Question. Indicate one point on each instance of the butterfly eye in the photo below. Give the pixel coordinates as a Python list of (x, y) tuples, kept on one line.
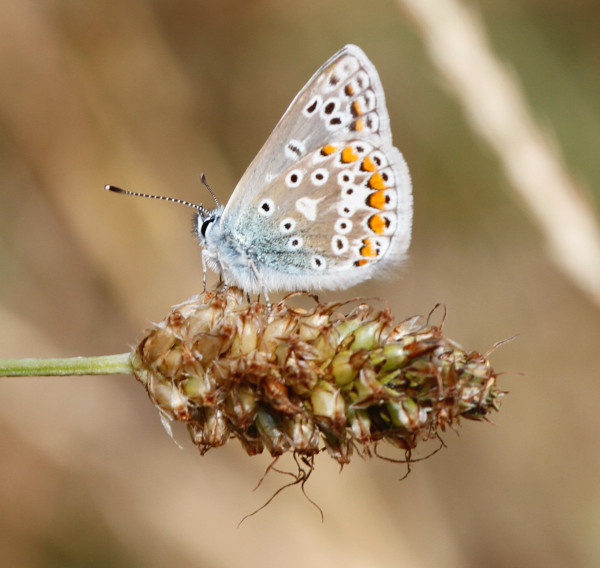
[(205, 226)]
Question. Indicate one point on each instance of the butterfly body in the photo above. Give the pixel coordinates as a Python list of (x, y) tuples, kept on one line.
[(327, 201)]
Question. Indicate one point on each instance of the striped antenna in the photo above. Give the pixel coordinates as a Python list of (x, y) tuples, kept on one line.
[(171, 199), (212, 193)]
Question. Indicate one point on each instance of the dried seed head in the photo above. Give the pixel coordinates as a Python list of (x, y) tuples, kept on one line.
[(300, 379)]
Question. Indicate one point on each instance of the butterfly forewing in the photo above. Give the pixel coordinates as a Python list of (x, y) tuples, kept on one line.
[(343, 99)]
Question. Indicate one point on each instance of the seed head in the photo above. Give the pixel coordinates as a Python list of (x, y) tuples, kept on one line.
[(292, 379)]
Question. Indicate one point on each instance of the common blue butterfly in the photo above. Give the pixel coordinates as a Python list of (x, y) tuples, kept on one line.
[(327, 201)]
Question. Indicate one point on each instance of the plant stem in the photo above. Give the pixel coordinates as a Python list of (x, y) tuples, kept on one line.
[(103, 365)]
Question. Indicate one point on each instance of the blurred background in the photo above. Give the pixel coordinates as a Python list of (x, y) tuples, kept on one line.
[(147, 95)]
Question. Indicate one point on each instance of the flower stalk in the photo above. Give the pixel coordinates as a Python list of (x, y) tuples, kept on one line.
[(65, 366)]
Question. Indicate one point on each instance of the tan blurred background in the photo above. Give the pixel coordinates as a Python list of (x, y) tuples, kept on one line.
[(148, 95)]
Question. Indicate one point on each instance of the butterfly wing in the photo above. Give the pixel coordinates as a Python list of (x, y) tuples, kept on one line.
[(327, 201)]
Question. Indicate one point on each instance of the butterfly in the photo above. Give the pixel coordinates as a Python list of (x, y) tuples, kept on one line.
[(327, 202)]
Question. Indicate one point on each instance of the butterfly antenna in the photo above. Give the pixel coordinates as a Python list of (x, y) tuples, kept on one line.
[(212, 193), (171, 199)]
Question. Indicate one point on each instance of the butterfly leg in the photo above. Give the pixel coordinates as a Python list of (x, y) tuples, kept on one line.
[(222, 286), (259, 279), (204, 270)]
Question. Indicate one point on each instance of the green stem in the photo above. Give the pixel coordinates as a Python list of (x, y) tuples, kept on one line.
[(103, 365)]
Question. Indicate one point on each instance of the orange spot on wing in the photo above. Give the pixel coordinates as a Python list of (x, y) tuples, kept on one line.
[(357, 124), (368, 249), (376, 181), (328, 150), (378, 224), (361, 262), (349, 90), (348, 155), (356, 110), (368, 165), (377, 199)]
